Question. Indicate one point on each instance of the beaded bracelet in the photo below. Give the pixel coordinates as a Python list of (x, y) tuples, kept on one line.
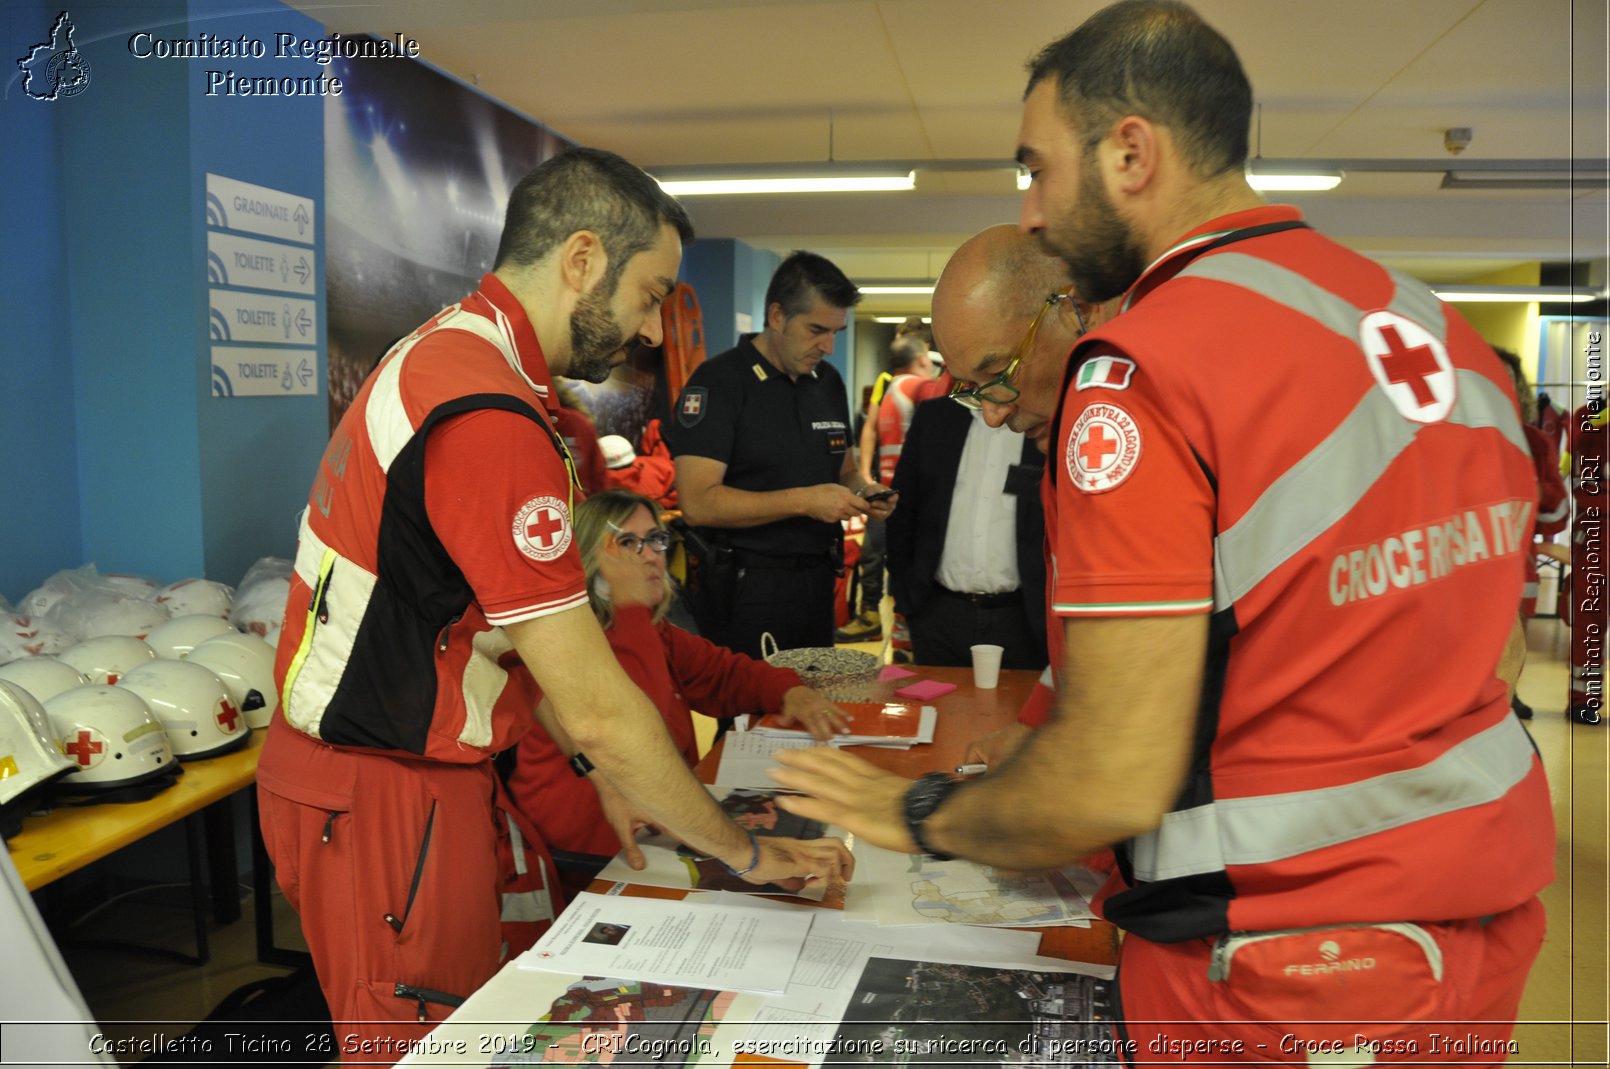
[(754, 858)]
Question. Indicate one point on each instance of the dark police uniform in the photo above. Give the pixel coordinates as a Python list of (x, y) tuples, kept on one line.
[(772, 433)]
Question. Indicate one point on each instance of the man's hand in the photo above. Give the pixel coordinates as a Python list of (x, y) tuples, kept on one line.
[(798, 863), (814, 713), (623, 820), (993, 749), (847, 791), (831, 502), (880, 500)]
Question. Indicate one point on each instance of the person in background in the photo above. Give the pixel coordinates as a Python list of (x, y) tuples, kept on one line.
[(1553, 503), (1288, 502), (574, 422), (436, 597), (623, 548), (651, 475), (765, 469), (909, 368)]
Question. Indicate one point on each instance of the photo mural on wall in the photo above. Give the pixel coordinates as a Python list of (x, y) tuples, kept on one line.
[(418, 169)]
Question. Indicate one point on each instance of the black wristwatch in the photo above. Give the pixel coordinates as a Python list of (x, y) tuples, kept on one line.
[(580, 765), (922, 798)]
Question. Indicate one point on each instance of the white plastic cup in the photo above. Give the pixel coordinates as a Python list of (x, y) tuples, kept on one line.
[(987, 666)]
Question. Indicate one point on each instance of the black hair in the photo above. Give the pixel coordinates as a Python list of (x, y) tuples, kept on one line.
[(804, 276), (1159, 60), (588, 189)]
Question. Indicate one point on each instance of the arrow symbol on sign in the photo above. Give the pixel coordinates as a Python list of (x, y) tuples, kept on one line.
[(303, 269), (303, 322), (301, 218), (303, 372)]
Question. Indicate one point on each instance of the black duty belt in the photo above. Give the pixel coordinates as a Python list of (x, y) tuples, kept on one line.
[(985, 601), (748, 558)]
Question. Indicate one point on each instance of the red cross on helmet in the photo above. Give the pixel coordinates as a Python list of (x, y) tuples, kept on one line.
[(114, 738), (193, 705)]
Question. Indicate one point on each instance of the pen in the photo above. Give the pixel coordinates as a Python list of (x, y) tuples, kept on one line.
[(972, 770)]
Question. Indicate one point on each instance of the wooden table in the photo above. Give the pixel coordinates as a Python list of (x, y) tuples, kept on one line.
[(70, 837), (965, 714)]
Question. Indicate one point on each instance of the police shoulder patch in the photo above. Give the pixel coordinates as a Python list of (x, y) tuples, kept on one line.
[(690, 410), (1103, 447)]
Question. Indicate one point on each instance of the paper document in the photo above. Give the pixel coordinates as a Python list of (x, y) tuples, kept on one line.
[(918, 889), (745, 757), (670, 864), (870, 723), (727, 947)]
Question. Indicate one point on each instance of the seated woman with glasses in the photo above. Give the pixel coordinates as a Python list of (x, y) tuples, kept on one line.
[(623, 551)]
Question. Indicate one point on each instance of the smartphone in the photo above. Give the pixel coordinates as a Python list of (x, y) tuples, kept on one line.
[(881, 495)]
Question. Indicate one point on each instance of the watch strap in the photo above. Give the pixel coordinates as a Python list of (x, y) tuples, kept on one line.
[(921, 799), (580, 765)]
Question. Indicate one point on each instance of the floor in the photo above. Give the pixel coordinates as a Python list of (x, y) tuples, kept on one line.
[(1563, 1014)]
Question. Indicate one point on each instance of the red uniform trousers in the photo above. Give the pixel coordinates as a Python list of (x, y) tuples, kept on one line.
[(1350, 995), (409, 869)]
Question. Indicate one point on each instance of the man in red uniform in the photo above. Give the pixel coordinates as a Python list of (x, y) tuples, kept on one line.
[(436, 589), (1287, 499)]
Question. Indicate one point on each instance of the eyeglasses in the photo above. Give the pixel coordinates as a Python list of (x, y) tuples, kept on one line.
[(1000, 390), (658, 541)]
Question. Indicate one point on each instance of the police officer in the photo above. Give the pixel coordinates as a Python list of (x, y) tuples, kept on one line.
[(765, 470)]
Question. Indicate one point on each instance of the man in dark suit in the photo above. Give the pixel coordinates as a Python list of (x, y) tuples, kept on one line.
[(967, 493)]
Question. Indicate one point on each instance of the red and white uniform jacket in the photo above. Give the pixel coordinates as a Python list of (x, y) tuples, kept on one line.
[(677, 671), (386, 645), (1327, 459), (894, 419)]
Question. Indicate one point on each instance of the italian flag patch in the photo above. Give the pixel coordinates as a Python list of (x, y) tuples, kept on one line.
[(1105, 373)]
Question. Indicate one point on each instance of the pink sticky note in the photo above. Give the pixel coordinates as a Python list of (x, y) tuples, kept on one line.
[(894, 671), (924, 690)]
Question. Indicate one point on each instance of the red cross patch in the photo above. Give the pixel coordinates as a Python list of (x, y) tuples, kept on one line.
[(1410, 364), (87, 747), (542, 528), (1103, 448), (228, 717)]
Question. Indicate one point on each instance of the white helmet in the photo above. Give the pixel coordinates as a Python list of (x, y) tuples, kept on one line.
[(114, 739), (246, 665), (189, 596), (107, 658), (24, 636), (176, 638), (28, 754), (618, 452), (43, 677), (193, 705)]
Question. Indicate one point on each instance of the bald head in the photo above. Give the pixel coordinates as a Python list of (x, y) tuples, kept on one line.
[(998, 273), (985, 306)]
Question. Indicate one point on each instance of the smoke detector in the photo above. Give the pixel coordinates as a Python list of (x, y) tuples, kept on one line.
[(1457, 138)]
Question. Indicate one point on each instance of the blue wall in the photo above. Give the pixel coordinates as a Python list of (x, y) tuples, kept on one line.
[(130, 463), (39, 472)]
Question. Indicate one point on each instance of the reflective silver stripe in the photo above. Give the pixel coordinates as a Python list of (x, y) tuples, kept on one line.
[(1286, 287), (1326, 484), (1259, 830), (1553, 514)]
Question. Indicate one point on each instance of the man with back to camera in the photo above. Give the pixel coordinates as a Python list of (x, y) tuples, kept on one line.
[(881, 443), (765, 467), (1287, 498), (436, 549)]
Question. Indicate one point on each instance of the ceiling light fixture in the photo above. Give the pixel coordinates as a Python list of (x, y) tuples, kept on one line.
[(919, 289), (1291, 176), (897, 319), (1517, 294)]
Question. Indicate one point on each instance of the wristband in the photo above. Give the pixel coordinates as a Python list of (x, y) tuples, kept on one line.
[(580, 765), (921, 799), (754, 858)]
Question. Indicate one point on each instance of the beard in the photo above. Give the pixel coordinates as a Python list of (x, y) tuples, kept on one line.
[(595, 338), (1100, 249)]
